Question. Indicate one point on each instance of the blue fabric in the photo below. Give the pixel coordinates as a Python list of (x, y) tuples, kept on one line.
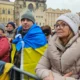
[(33, 38)]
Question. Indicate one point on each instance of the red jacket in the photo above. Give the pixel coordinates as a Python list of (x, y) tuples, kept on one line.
[(4, 49)]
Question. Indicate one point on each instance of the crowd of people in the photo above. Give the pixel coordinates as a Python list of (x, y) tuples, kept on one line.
[(35, 49)]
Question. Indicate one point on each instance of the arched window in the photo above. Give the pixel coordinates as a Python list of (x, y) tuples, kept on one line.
[(30, 7)]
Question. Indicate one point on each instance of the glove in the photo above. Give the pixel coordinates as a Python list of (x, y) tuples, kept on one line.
[(17, 39), (18, 36)]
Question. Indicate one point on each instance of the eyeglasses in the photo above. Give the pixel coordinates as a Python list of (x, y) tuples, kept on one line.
[(62, 25)]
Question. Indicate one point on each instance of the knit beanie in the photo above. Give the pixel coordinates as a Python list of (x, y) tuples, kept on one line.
[(2, 27), (72, 20), (12, 23), (28, 15)]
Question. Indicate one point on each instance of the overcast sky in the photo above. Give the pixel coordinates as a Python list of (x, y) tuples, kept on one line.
[(11, 0), (73, 5)]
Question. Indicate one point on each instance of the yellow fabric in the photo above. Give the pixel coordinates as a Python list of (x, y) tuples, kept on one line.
[(5, 75), (41, 50), (13, 53), (31, 58)]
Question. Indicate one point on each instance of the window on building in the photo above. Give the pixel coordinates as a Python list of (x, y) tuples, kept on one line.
[(3, 11), (31, 7), (8, 11)]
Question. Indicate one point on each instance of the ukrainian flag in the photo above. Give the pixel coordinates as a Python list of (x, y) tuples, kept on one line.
[(5, 74), (35, 44)]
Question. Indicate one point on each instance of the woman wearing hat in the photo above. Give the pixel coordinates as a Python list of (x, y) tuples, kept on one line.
[(61, 60), (4, 45), (10, 30)]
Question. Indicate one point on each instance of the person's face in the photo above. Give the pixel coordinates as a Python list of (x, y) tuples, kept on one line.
[(9, 27), (62, 29), (26, 23)]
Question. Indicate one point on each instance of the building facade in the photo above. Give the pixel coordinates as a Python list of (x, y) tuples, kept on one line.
[(39, 9), (6, 12), (35, 6), (52, 15)]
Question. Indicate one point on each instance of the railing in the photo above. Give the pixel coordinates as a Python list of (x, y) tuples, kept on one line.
[(26, 73)]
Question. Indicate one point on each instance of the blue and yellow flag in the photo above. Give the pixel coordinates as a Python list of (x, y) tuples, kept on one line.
[(35, 44), (5, 75)]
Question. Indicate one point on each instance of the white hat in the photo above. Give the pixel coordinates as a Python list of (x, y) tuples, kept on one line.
[(72, 20)]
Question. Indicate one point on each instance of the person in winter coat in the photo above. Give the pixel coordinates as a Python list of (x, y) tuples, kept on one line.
[(30, 44), (4, 45), (10, 30), (61, 60)]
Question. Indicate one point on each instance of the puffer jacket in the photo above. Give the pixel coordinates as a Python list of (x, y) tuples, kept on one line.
[(4, 49), (61, 60)]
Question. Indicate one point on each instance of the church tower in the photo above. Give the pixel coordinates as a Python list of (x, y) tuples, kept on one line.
[(33, 5)]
